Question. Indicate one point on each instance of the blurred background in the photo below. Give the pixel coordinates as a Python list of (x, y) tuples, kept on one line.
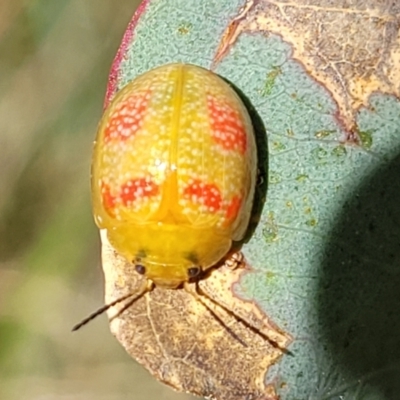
[(54, 62)]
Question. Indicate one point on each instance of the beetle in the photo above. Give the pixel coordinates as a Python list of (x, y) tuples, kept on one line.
[(174, 172), (173, 176)]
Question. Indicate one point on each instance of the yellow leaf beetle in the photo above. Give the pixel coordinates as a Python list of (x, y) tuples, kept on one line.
[(174, 172)]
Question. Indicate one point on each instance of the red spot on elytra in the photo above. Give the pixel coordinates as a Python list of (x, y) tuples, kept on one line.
[(226, 125), (207, 194), (233, 208), (127, 117), (108, 198), (136, 189)]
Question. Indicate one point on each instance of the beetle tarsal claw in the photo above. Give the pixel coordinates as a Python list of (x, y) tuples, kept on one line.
[(234, 260)]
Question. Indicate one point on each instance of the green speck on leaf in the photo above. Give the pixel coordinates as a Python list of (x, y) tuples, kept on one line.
[(289, 204), (270, 230), (339, 151), (185, 28), (319, 155), (323, 134), (366, 138), (311, 222), (270, 275), (278, 146), (270, 81), (274, 177), (307, 210), (301, 178)]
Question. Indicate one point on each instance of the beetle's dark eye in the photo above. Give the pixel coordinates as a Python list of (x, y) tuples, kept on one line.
[(193, 272), (140, 269)]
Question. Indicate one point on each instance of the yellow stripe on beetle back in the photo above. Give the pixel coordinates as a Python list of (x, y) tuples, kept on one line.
[(175, 156)]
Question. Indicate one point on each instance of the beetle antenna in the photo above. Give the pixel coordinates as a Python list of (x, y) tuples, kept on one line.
[(147, 287), (197, 294)]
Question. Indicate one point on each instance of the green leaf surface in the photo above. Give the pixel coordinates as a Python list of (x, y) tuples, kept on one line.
[(327, 249)]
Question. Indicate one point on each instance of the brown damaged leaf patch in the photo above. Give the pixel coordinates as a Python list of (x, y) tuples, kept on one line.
[(182, 344), (351, 47)]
